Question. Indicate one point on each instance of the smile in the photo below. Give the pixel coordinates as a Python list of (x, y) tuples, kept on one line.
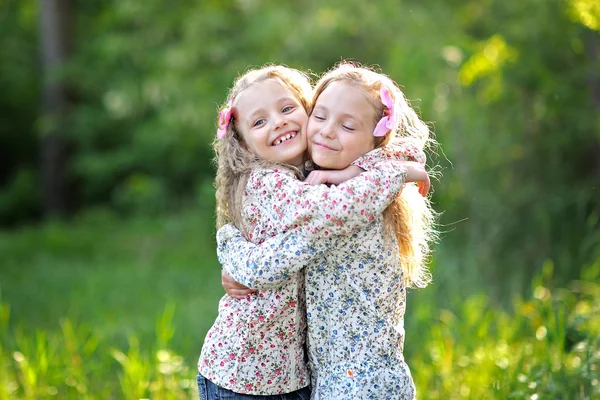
[(284, 138), (322, 146)]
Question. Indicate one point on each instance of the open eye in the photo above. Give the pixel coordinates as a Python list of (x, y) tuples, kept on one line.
[(258, 122), (287, 109)]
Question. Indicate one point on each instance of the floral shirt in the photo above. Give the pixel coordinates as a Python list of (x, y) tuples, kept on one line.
[(355, 299), (256, 345)]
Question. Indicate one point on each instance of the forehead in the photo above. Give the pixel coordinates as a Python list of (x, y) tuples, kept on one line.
[(263, 94), (341, 97)]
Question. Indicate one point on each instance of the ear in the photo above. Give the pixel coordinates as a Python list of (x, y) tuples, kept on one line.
[(235, 114)]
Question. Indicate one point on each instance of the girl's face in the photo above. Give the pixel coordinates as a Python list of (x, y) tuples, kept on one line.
[(340, 128), (273, 123)]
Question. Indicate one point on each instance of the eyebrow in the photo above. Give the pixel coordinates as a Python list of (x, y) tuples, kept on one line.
[(286, 99)]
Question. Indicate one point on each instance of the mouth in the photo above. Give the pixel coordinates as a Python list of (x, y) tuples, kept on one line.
[(284, 138), (322, 146)]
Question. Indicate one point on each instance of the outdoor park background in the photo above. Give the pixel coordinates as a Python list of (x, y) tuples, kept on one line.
[(108, 273)]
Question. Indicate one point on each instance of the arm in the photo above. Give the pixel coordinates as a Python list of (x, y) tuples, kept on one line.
[(233, 288), (286, 203), (402, 150), (334, 177), (266, 265)]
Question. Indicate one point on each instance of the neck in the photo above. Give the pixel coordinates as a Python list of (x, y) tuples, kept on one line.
[(298, 163)]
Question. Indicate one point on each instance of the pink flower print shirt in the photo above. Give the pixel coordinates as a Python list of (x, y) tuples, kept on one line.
[(355, 301), (256, 345)]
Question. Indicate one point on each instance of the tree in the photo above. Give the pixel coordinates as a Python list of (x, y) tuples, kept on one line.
[(55, 24)]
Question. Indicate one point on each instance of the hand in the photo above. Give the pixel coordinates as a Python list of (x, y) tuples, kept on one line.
[(234, 289), (417, 173), (334, 177)]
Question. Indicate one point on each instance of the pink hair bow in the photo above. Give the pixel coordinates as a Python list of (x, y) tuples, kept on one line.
[(224, 118), (389, 120)]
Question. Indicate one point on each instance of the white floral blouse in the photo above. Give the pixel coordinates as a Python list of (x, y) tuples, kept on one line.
[(355, 299), (257, 345)]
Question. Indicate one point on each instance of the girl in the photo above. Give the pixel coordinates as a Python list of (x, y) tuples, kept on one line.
[(356, 285), (256, 345)]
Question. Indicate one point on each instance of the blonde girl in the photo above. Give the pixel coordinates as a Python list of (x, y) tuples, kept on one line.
[(355, 285), (256, 345)]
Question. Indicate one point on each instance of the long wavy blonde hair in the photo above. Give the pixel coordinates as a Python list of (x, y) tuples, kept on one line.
[(410, 217), (234, 160)]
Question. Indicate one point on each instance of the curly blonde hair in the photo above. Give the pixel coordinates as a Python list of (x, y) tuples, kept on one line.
[(234, 160), (410, 217)]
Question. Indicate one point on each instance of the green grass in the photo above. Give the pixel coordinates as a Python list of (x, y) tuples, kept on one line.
[(544, 347), (102, 307), (86, 290)]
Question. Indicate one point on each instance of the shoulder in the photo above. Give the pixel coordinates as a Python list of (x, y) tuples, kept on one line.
[(407, 148), (267, 172), (270, 178)]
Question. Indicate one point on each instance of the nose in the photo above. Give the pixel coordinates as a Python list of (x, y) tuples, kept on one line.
[(280, 121), (327, 131)]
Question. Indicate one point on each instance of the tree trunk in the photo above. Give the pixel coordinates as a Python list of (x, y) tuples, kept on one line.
[(55, 22), (592, 47)]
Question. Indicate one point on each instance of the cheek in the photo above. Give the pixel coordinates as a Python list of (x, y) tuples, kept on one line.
[(305, 118), (368, 142), (250, 142), (311, 128), (360, 145)]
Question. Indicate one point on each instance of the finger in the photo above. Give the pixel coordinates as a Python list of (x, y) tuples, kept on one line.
[(315, 181), (425, 186), (226, 280), (229, 284), (239, 286)]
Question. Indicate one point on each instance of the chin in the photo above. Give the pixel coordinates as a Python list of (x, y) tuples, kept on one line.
[(325, 163)]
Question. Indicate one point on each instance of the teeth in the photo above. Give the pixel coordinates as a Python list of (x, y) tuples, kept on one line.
[(283, 139)]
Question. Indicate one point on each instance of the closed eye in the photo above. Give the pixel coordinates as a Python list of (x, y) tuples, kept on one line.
[(318, 117), (348, 128)]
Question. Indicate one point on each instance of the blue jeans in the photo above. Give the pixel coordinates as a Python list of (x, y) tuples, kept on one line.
[(209, 391)]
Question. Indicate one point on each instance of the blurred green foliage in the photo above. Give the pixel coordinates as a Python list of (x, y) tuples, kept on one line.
[(511, 88)]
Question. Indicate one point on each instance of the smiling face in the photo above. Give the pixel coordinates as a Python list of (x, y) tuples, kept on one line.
[(340, 128), (272, 122)]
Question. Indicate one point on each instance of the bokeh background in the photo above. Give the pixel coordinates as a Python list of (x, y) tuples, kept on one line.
[(108, 272)]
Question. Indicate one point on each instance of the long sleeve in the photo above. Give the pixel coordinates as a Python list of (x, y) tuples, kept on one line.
[(403, 150), (266, 265), (305, 213), (275, 201)]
